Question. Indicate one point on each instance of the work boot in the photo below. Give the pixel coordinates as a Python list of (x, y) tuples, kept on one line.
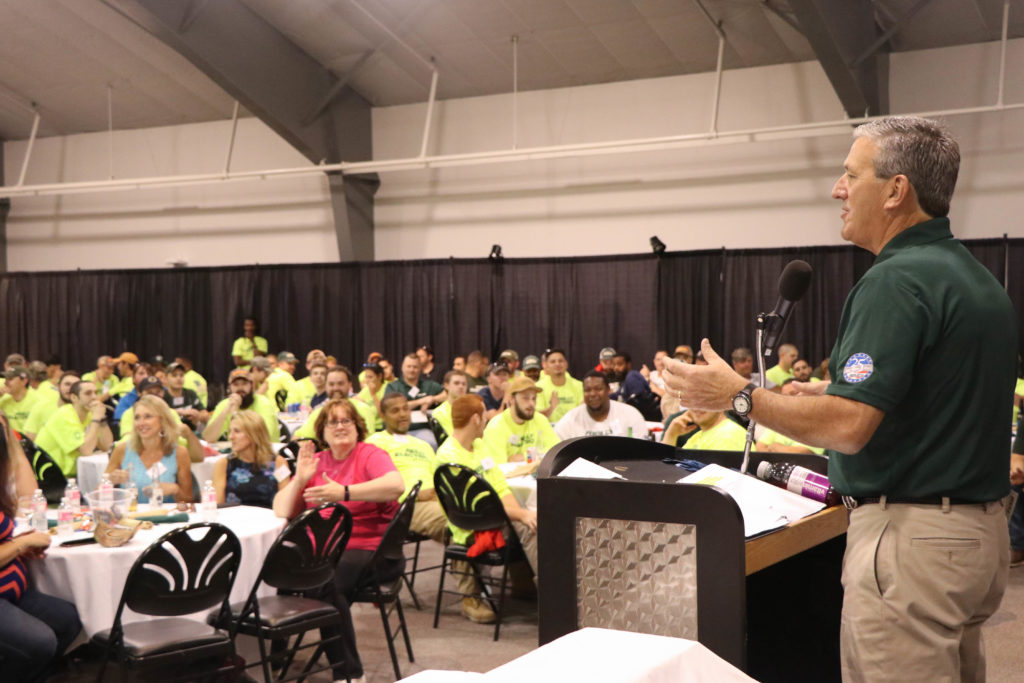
[(476, 611)]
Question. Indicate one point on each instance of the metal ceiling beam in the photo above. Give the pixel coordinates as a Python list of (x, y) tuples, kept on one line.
[(278, 82), (839, 33)]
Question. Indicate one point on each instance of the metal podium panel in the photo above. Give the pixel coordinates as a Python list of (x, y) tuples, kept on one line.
[(637, 576)]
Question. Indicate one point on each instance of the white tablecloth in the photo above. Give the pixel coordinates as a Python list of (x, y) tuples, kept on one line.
[(624, 657), (523, 488), (92, 467), (93, 576)]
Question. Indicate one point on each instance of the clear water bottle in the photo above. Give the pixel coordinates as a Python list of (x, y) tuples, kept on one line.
[(156, 496), (106, 490), (209, 502), (133, 496), (74, 496), (799, 480), (65, 518), (39, 511)]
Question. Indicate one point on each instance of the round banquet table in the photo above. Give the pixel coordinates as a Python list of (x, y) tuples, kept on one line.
[(92, 576)]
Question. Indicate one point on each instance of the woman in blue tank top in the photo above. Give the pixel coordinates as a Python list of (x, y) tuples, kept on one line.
[(151, 454)]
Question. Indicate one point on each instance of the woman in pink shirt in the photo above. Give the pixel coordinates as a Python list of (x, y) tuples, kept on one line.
[(362, 478)]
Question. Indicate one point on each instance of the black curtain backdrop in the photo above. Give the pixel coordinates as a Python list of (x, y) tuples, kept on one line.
[(633, 303)]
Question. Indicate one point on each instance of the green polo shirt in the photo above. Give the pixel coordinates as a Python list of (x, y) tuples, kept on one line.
[(506, 439), (570, 395), (482, 461), (413, 457), (930, 337), (17, 412), (61, 437)]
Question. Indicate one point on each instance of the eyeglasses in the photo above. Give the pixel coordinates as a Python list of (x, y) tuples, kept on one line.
[(343, 422)]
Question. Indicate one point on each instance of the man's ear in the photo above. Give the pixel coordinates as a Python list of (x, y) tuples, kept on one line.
[(899, 191)]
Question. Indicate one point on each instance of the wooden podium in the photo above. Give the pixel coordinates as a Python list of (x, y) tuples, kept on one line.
[(646, 554)]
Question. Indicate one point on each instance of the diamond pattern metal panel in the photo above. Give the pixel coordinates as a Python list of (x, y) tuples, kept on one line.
[(637, 576)]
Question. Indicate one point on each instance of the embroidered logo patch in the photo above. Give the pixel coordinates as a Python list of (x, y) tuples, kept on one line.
[(858, 368)]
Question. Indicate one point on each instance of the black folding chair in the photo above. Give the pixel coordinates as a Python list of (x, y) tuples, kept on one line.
[(187, 570), (302, 559), (48, 474), (437, 429), (415, 539), (471, 503), (384, 592)]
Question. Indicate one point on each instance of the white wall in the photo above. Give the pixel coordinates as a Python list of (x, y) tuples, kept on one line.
[(762, 194)]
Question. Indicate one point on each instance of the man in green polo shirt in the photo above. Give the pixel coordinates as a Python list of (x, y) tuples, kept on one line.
[(17, 398), (414, 459), (241, 398), (560, 392), (456, 384), (78, 428), (914, 419), (518, 433)]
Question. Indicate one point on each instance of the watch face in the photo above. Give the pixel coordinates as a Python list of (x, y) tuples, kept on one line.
[(741, 404)]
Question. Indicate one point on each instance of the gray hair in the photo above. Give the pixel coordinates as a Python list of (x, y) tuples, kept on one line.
[(922, 150)]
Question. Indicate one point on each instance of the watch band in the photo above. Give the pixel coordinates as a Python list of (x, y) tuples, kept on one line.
[(346, 492)]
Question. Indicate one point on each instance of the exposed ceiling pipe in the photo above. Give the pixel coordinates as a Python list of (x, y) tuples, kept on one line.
[(430, 112), (231, 140), (28, 150)]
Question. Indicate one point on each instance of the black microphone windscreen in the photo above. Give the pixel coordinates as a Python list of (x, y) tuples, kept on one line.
[(795, 280)]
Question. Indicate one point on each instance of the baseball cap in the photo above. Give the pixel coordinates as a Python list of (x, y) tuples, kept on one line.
[(286, 357), (498, 367), (127, 357), (522, 383), (149, 383), (261, 363), (531, 363), (175, 366), (17, 371), (239, 373), (509, 353), (607, 353)]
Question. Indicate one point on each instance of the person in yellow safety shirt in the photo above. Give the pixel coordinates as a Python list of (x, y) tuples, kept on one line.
[(17, 398), (77, 428), (560, 392), (241, 398), (716, 431), (456, 384), (249, 345), (518, 433), (339, 385)]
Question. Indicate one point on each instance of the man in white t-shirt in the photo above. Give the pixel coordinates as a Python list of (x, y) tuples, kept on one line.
[(599, 415)]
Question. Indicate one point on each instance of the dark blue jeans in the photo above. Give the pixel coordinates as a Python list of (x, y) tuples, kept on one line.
[(34, 633)]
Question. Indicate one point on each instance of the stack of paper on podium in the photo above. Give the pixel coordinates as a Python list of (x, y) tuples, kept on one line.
[(764, 506)]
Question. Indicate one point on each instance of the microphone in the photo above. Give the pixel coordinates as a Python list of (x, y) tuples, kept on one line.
[(793, 284)]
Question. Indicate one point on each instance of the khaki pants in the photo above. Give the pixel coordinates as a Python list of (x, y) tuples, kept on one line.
[(528, 539), (919, 582), (428, 519)]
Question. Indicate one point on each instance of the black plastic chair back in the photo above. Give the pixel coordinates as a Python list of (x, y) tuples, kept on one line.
[(439, 433), (281, 399), (392, 543), (468, 500), (186, 570), (304, 556), (48, 475)]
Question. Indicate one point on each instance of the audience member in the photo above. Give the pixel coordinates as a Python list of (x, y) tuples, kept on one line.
[(304, 389), (772, 442), (318, 379), (455, 385), (519, 434), (511, 360), (249, 345), (35, 628), (361, 477), (633, 388), (37, 378), (459, 363), (604, 360), (684, 353), (599, 415), (152, 454), (17, 398), (241, 397), (261, 369), (427, 367), (653, 377), (193, 380), (103, 377), (183, 400), (252, 475), (778, 374), (123, 366), (53, 373), (77, 428), (281, 381), (339, 385), (373, 390), (494, 393), (45, 407), (476, 368), (139, 373), (414, 459), (803, 372), (423, 393), (466, 447), (715, 432), (743, 363), (531, 368), (560, 392)]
